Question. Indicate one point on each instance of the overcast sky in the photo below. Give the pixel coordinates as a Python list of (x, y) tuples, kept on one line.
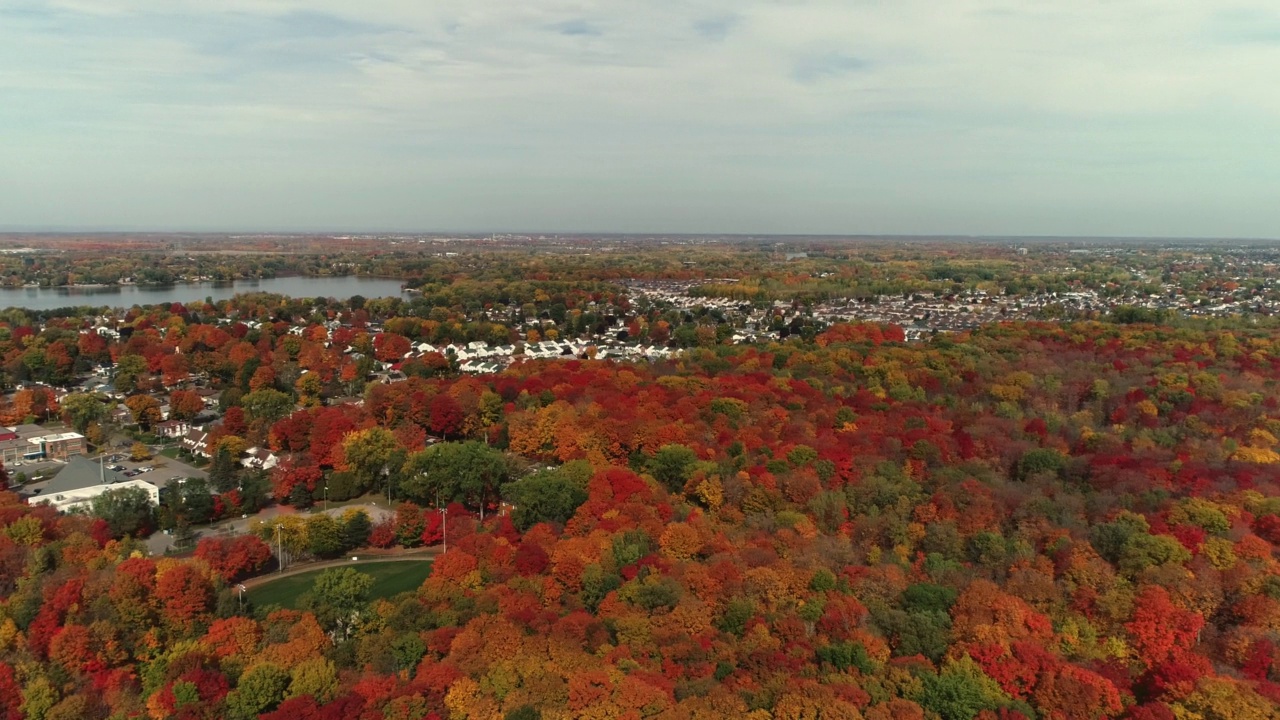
[(1080, 117)]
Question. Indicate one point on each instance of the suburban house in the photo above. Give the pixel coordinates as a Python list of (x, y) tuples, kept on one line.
[(32, 442), (195, 443), (173, 428), (82, 480), (259, 458)]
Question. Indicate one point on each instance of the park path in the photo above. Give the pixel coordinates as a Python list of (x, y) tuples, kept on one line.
[(298, 569)]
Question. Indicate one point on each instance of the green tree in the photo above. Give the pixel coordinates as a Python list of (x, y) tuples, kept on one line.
[(1040, 460), (191, 501), (671, 466), (254, 486), (223, 470), (126, 510), (324, 536), (80, 409), (369, 454), (316, 677), (356, 527), (129, 368), (267, 405), (339, 599), (260, 689), (407, 650), (961, 691), (469, 472), (544, 497)]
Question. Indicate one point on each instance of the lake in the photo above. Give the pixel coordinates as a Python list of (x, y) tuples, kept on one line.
[(130, 295)]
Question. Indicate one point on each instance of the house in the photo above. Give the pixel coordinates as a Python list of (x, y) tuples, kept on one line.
[(195, 442), (82, 480), (259, 458), (173, 428)]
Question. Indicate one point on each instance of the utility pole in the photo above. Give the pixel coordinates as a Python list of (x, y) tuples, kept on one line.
[(444, 522), (240, 587), (280, 547)]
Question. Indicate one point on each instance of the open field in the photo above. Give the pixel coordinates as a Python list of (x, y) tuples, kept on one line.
[(389, 578)]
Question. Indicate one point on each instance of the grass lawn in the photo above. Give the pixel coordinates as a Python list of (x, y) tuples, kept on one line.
[(170, 452), (389, 578)]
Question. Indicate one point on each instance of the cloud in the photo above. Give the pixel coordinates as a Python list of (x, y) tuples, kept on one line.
[(717, 27), (696, 114), (1245, 26), (577, 27), (827, 65)]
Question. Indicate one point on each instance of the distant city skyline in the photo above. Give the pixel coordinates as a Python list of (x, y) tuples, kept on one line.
[(951, 117)]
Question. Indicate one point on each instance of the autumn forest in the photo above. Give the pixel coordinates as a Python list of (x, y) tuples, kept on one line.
[(1066, 516)]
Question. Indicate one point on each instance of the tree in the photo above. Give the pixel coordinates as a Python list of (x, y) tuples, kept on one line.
[(324, 536), (223, 470), (368, 453), (315, 678), (446, 415), (672, 466), (339, 599), (544, 497), (80, 409), (266, 405), (145, 410), (185, 596), (356, 527), (127, 511), (260, 689), (410, 524), (234, 558), (185, 404), (129, 369), (191, 501), (469, 472), (139, 452), (961, 691)]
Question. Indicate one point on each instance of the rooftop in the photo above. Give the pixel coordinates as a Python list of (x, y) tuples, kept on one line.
[(79, 473)]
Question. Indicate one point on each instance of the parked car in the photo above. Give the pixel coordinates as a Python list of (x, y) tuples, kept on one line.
[(117, 468), (132, 473)]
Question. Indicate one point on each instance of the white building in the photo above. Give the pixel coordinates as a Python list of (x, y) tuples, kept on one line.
[(82, 480)]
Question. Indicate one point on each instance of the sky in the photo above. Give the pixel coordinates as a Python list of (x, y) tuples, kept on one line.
[(1027, 117)]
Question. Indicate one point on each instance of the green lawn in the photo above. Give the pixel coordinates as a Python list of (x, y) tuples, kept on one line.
[(389, 578)]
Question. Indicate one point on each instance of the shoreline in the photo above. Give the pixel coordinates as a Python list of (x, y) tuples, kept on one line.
[(222, 283)]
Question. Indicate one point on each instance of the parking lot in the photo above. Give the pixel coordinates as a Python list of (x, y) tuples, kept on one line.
[(162, 470), (34, 470)]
